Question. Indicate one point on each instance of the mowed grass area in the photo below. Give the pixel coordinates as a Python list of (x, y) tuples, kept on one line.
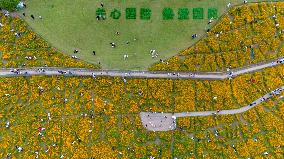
[(70, 25)]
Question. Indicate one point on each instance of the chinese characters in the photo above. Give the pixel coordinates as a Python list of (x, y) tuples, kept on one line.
[(167, 13)]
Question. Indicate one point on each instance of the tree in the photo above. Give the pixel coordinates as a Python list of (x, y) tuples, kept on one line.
[(9, 5)]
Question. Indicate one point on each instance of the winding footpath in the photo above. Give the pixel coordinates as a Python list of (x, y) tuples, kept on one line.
[(167, 121), (156, 121), (50, 71)]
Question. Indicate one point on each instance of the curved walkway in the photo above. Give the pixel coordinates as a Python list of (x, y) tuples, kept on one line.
[(155, 121), (50, 71), (167, 121)]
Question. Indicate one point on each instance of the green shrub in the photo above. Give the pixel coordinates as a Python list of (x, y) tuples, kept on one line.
[(9, 5)]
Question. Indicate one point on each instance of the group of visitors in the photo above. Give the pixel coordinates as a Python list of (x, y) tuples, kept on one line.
[(32, 16), (154, 54), (113, 45)]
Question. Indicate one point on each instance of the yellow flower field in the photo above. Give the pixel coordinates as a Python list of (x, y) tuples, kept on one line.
[(84, 117)]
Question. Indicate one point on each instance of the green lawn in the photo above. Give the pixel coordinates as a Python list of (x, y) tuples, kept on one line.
[(72, 24)]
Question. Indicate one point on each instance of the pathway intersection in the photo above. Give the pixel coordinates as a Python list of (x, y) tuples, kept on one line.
[(167, 121)]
